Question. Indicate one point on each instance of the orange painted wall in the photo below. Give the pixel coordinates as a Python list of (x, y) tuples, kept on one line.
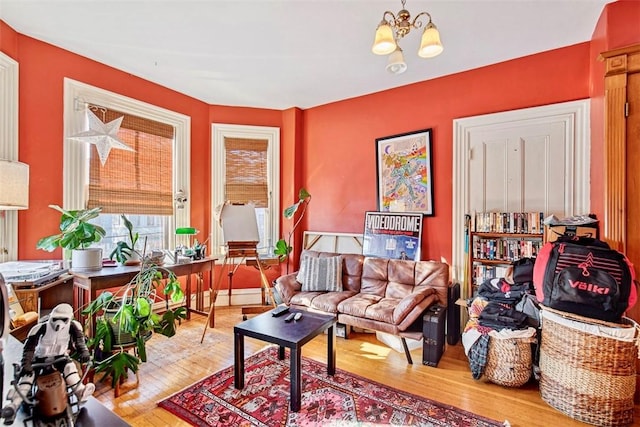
[(8, 40), (42, 70), (328, 149), (339, 144)]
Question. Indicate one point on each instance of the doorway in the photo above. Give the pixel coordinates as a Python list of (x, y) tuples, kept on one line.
[(529, 160)]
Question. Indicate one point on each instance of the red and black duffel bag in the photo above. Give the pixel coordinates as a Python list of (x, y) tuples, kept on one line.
[(584, 276)]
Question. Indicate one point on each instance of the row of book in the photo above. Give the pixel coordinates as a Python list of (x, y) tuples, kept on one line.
[(505, 249), (482, 273), (507, 222)]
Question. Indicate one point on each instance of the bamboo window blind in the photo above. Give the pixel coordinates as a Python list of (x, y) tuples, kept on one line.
[(134, 182), (246, 171)]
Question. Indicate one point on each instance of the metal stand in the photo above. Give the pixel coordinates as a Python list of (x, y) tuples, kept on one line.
[(242, 250)]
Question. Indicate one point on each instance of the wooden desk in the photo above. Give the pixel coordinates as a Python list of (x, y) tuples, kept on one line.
[(87, 284), (41, 299)]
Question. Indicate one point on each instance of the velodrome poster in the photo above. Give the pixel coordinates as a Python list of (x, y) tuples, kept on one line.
[(392, 235)]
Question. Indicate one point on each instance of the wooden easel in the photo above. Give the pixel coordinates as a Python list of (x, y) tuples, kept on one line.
[(242, 250)]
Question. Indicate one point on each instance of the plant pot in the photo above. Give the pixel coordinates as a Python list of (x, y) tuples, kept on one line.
[(121, 338), (133, 259), (89, 259)]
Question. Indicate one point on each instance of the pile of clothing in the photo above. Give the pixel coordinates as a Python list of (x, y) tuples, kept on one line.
[(506, 306)]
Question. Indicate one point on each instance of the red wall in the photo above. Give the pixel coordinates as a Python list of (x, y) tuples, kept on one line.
[(42, 70), (339, 144), (329, 149)]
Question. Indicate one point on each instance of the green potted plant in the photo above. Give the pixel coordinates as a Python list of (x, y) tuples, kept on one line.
[(125, 252), (283, 247), (77, 234), (127, 319)]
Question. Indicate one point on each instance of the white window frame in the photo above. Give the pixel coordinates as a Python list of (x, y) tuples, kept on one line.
[(219, 132), (8, 149), (76, 97)]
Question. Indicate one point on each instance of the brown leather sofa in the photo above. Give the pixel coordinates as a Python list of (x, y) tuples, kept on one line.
[(380, 294)]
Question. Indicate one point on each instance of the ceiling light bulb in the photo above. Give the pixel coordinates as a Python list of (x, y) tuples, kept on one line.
[(396, 64), (384, 42), (430, 44)]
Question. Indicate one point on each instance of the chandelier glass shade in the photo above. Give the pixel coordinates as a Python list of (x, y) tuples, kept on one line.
[(396, 64), (430, 44), (394, 27)]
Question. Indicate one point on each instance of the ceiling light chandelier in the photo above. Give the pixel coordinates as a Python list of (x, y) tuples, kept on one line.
[(392, 28)]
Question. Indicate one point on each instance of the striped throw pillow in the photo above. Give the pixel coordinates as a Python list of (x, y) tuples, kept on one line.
[(320, 274)]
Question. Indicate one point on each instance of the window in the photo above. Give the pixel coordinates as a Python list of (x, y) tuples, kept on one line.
[(127, 182), (246, 168)]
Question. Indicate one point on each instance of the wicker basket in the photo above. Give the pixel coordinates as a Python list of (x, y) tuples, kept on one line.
[(586, 370), (509, 361)]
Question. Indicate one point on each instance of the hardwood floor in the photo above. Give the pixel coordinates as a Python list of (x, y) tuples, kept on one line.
[(180, 361)]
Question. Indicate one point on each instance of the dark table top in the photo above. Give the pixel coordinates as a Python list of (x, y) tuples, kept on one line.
[(92, 414), (277, 331)]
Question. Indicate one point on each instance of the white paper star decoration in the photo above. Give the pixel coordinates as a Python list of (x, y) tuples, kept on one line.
[(103, 135)]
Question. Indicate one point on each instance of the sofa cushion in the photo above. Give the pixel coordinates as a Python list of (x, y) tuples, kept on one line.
[(320, 274), (351, 267)]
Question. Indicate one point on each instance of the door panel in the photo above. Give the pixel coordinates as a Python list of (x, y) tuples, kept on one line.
[(519, 169)]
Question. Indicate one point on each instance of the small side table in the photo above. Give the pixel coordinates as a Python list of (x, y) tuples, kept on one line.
[(291, 335)]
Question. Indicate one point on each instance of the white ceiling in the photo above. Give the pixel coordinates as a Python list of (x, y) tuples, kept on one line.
[(292, 53)]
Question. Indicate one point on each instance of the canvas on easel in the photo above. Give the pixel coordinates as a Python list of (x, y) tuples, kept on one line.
[(241, 237), (239, 225)]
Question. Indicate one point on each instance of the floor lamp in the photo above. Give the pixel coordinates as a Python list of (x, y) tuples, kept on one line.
[(14, 195)]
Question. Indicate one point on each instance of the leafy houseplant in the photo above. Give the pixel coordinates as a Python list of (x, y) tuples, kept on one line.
[(126, 319), (125, 251), (77, 234), (283, 247)]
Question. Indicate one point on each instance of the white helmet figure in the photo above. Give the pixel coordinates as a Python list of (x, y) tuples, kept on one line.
[(60, 317)]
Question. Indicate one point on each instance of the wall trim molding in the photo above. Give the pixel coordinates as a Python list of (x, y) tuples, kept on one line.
[(9, 148), (220, 131)]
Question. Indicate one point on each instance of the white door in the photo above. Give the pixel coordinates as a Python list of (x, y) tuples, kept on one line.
[(536, 159), (518, 169)]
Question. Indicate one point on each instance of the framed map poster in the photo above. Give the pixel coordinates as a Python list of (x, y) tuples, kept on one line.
[(404, 173), (392, 235)]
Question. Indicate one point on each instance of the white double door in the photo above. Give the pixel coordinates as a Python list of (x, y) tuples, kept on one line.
[(532, 160)]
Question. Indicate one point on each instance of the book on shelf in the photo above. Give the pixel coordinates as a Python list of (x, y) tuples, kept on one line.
[(506, 249), (482, 273), (507, 222)]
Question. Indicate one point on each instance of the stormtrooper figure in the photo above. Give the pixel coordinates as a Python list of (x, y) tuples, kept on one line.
[(54, 336)]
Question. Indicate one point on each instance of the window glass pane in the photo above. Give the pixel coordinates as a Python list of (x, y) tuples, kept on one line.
[(150, 227), (266, 242)]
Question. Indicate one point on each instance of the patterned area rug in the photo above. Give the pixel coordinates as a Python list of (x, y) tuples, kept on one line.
[(342, 400)]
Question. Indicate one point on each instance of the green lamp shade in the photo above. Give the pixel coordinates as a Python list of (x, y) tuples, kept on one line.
[(186, 230)]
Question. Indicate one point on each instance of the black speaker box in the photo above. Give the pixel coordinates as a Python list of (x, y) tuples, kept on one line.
[(433, 325), (453, 315)]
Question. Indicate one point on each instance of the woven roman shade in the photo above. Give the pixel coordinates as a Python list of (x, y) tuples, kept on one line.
[(134, 182), (246, 171)]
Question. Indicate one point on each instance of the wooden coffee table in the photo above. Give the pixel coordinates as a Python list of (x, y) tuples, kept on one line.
[(291, 335)]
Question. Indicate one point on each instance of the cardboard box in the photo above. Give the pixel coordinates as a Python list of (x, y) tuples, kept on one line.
[(553, 232)]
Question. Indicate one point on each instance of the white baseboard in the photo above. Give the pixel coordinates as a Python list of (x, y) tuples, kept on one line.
[(251, 296)]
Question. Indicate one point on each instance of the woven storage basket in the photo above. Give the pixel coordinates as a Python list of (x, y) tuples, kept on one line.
[(588, 376), (509, 361)]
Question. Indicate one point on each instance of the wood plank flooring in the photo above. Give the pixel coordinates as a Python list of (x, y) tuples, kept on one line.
[(175, 363)]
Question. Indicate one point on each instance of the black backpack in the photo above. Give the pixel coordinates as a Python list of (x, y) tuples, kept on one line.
[(584, 276)]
